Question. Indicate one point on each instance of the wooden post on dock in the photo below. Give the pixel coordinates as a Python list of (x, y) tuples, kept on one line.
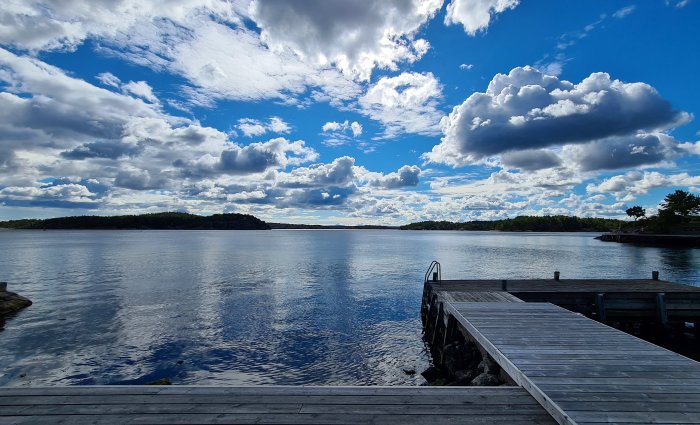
[(600, 303), (3, 286), (504, 285), (661, 308), (556, 275), (655, 275)]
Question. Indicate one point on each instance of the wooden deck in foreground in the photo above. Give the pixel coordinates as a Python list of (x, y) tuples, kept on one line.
[(270, 405), (580, 370)]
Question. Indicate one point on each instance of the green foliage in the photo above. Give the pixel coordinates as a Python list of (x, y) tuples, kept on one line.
[(167, 220), (636, 212), (681, 203)]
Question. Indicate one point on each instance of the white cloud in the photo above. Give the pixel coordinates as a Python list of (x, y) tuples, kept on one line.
[(628, 186), (407, 103), (42, 25), (354, 35), (205, 42), (277, 125), (253, 127), (336, 132), (476, 15), (621, 13), (140, 89), (466, 66), (108, 79), (527, 110), (356, 129)]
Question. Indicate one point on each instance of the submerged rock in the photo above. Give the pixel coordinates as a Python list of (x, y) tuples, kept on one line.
[(11, 302)]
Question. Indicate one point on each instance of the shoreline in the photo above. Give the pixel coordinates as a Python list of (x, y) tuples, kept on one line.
[(684, 241)]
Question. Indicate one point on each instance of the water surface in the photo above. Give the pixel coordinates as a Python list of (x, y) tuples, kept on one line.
[(314, 307)]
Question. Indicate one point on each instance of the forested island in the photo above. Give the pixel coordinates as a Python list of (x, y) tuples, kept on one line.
[(156, 221), (555, 223)]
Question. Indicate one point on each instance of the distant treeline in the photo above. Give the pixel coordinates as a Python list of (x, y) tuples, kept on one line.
[(323, 226), (555, 223), (168, 220)]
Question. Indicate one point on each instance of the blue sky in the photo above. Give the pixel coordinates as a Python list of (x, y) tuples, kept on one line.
[(347, 111)]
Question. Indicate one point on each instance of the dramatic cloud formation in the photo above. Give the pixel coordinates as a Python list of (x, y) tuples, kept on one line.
[(475, 15), (354, 35), (339, 110), (615, 123)]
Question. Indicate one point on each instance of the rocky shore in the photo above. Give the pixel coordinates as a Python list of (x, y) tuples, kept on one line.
[(462, 363), (11, 302), (652, 239)]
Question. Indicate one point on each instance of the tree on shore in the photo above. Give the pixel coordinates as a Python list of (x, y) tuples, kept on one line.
[(681, 203), (636, 212)]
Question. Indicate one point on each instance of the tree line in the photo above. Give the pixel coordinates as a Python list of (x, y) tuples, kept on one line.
[(525, 223), (167, 220)]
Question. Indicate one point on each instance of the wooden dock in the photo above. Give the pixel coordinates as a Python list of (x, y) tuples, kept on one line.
[(270, 405), (580, 370)]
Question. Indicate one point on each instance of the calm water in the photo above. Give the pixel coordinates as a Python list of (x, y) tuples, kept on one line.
[(262, 307)]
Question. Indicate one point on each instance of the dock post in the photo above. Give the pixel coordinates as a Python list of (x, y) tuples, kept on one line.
[(3, 286), (435, 276), (556, 275), (504, 285), (655, 275), (600, 303), (661, 308)]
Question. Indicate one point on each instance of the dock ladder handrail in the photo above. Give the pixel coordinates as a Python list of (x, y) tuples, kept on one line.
[(437, 275)]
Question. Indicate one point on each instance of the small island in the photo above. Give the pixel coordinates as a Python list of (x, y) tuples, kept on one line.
[(676, 224), (156, 221)]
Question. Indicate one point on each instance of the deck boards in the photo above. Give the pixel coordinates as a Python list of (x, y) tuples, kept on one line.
[(580, 370), (270, 405)]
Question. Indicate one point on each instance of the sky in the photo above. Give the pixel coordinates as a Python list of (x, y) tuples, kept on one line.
[(347, 111)]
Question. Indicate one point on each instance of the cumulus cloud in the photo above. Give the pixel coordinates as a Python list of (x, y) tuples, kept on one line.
[(527, 110), (62, 196), (407, 103), (626, 187), (406, 176), (466, 66), (253, 127), (354, 35), (476, 15), (140, 89), (336, 133)]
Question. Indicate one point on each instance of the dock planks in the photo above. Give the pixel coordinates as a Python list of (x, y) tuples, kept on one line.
[(580, 370), (270, 405)]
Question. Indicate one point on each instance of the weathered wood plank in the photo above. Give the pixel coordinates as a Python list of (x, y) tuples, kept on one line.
[(273, 405), (571, 364), (278, 419)]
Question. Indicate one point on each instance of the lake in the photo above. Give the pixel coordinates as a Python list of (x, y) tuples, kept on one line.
[(287, 307)]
